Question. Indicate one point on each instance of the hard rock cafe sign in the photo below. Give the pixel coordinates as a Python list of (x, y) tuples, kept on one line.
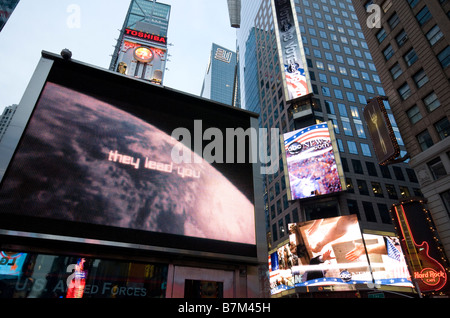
[(420, 246)]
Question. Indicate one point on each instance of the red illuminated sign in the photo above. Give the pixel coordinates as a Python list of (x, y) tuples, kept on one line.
[(146, 36), (428, 272)]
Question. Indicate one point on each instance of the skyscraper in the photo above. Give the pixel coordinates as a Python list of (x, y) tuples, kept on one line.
[(410, 45), (5, 119), (221, 82), (6, 9), (141, 49), (343, 77)]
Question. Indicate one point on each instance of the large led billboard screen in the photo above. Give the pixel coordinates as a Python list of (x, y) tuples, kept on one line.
[(332, 255), (96, 160), (312, 162)]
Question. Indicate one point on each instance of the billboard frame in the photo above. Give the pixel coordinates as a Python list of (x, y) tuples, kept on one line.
[(14, 231), (299, 50), (337, 158)]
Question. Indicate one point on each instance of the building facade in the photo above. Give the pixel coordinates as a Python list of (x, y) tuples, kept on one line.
[(141, 49), (221, 82), (343, 78), (410, 45)]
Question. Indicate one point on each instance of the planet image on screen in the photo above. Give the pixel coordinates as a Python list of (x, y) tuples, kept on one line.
[(88, 161)]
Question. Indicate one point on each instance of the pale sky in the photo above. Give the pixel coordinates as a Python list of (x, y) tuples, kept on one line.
[(38, 25)]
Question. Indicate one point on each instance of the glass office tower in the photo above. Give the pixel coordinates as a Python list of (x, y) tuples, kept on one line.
[(221, 82), (343, 78)]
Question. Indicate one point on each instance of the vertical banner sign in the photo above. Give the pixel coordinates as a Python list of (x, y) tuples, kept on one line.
[(381, 132), (290, 49), (426, 260)]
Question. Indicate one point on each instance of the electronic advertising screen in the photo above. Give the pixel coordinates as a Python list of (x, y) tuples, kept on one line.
[(312, 162), (331, 255), (11, 264), (296, 79), (99, 159)]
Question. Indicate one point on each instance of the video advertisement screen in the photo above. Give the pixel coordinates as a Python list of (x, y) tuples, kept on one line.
[(312, 162), (98, 150), (331, 255)]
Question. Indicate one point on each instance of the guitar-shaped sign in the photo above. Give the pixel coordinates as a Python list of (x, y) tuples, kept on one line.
[(428, 273)]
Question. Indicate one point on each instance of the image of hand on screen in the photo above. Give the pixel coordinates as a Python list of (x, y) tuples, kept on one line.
[(338, 230)]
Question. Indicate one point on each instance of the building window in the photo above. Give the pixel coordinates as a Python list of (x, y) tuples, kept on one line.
[(411, 175), (360, 131), (401, 38), (434, 35), (365, 150), (352, 147), (362, 187), (420, 78), (424, 140), (274, 232), (444, 57), (347, 131), (414, 114), (443, 128), (388, 52), (437, 168), (349, 183), (404, 192), (386, 5), (445, 196), (404, 91), (412, 3), (431, 102), (381, 35), (371, 169), (385, 172), (393, 21), (377, 190), (396, 71), (398, 173), (410, 57), (357, 167), (353, 208), (281, 228), (392, 193), (384, 213), (369, 211), (423, 16)]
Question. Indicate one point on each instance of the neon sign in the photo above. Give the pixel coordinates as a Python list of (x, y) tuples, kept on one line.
[(430, 276), (428, 272), (146, 36)]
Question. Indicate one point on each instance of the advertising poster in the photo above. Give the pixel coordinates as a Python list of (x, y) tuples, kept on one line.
[(331, 255), (312, 164), (290, 45), (85, 160)]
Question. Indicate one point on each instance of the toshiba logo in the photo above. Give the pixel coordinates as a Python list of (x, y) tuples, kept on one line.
[(146, 36)]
